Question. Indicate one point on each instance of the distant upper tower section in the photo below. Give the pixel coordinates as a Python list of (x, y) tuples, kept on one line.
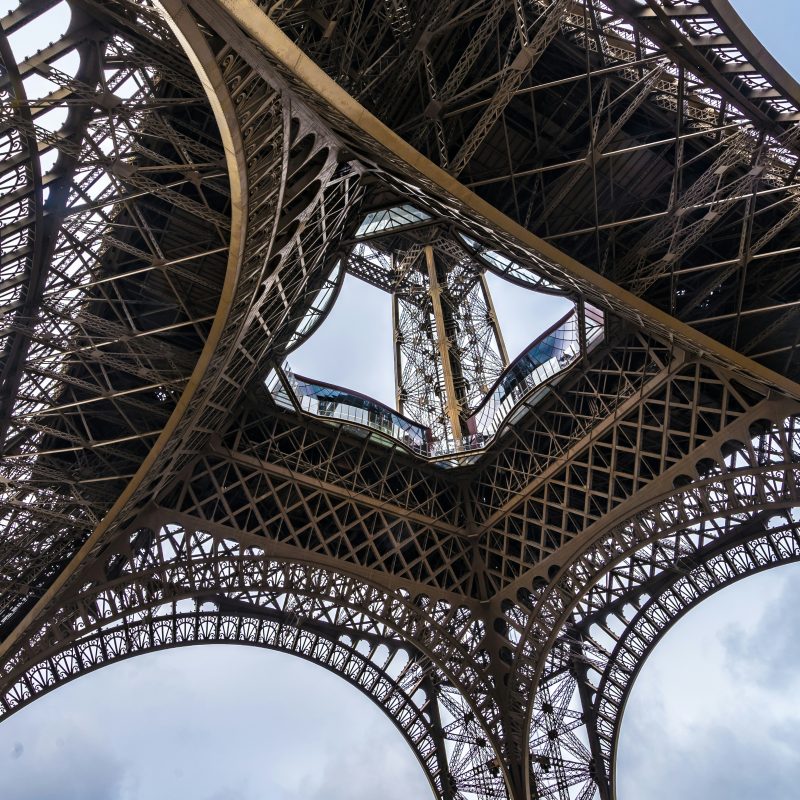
[(454, 382)]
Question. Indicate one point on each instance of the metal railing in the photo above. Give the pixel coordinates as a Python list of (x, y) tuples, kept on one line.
[(547, 357)]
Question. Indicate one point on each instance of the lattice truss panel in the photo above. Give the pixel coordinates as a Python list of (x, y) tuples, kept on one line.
[(643, 138), (170, 249), (635, 443), (333, 495), (421, 392), (115, 222)]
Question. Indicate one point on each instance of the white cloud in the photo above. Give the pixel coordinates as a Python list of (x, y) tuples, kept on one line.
[(698, 725), (209, 722)]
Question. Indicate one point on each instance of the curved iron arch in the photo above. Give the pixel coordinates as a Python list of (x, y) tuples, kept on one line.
[(57, 447), (149, 578), (720, 568), (415, 721), (602, 656), (751, 480)]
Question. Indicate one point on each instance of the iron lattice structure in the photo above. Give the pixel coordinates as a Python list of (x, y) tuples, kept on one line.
[(184, 185)]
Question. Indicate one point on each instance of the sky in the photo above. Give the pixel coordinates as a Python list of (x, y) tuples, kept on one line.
[(369, 363), (714, 714)]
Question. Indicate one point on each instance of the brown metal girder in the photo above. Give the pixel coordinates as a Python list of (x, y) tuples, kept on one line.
[(443, 342), (197, 50), (277, 46), (156, 516), (654, 492), (24, 12), (687, 51), (595, 433), (337, 490)]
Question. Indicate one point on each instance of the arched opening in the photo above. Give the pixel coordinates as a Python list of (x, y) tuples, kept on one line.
[(207, 722), (415, 348), (714, 711)]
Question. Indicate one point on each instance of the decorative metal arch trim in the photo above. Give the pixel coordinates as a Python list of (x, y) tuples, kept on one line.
[(754, 478), (112, 644), (146, 574), (721, 568)]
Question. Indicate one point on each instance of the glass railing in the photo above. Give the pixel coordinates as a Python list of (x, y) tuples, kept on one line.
[(334, 402), (549, 354), (501, 264), (546, 357), (389, 218)]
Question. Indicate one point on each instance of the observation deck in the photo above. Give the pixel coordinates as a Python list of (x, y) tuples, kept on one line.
[(522, 384)]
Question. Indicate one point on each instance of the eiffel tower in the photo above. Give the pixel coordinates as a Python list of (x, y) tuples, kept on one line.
[(185, 184)]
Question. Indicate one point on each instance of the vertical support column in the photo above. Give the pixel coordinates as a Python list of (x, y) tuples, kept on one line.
[(398, 364), (582, 326), (447, 357), (597, 767), (432, 708), (493, 322)]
